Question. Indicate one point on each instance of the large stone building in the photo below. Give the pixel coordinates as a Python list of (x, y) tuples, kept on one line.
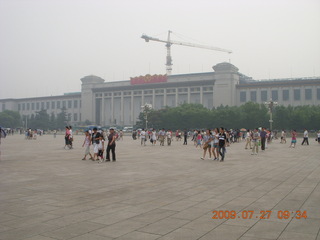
[(120, 103)]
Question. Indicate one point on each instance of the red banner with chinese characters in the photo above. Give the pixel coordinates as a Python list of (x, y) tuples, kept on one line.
[(148, 79)]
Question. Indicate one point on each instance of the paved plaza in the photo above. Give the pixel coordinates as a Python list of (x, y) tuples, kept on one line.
[(156, 192)]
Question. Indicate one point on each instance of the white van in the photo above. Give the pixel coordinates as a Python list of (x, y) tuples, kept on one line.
[(127, 129)]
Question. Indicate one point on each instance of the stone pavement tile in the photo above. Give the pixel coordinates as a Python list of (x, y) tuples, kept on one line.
[(204, 223), (312, 201), (202, 196), (70, 202), (138, 236), (107, 209), (63, 211), (4, 228), (114, 217), (72, 218), (120, 228), (266, 229), (210, 204), (260, 206), (296, 236), (242, 222), (179, 205), (254, 193), (309, 226), (191, 213), (154, 215), (33, 219), (252, 238), (299, 193), (39, 237), (268, 186), (291, 205), (183, 234), (164, 226), (91, 236), (32, 210), (225, 232), (28, 231), (73, 230)]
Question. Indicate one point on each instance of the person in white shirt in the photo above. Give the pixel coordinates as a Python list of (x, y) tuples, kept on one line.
[(283, 136), (305, 137), (143, 137), (169, 136), (318, 136), (154, 137)]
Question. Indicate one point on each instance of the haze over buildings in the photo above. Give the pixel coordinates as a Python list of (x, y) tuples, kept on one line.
[(47, 46)]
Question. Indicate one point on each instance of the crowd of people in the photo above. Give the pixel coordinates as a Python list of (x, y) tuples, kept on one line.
[(214, 142)]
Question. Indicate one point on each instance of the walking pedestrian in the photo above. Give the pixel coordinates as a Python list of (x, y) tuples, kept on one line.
[(143, 137), (207, 138), (185, 135), (305, 137), (248, 138), (222, 143), (215, 147), (111, 146), (87, 144), (255, 141)]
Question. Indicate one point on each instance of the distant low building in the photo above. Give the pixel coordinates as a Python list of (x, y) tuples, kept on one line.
[(119, 103)]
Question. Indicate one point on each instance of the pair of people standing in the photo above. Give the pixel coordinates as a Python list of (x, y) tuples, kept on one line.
[(215, 143)]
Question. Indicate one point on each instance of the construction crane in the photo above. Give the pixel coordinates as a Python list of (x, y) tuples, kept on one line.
[(169, 42)]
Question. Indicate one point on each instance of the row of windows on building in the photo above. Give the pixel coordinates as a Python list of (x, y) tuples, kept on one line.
[(275, 95), (157, 91), (49, 105)]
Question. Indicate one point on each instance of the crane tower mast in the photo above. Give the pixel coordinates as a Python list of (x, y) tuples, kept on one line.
[(169, 42)]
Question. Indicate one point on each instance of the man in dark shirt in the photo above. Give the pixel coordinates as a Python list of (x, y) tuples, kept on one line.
[(222, 143), (263, 135), (111, 145), (185, 134)]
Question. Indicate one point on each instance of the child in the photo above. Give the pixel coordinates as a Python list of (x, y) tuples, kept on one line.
[(293, 139), (199, 139), (101, 149), (87, 143)]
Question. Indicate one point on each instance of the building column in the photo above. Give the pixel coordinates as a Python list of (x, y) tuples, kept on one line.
[(165, 97), (189, 95), (102, 111), (112, 109), (132, 112), (122, 109), (142, 98), (201, 95), (176, 97), (153, 99)]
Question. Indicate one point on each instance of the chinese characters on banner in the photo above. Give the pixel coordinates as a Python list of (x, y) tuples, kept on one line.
[(148, 79)]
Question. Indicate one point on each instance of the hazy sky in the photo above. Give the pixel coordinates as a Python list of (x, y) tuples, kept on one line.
[(46, 46)]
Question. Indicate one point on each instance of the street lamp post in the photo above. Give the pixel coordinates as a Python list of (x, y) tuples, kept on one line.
[(270, 106), (145, 109)]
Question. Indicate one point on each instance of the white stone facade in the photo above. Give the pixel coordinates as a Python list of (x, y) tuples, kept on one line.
[(119, 103)]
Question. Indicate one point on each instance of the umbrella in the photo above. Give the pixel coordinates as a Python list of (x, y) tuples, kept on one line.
[(243, 130)]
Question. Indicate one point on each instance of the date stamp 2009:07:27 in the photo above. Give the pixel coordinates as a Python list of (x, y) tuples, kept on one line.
[(264, 214)]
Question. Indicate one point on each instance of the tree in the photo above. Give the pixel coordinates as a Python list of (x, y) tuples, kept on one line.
[(62, 121), (10, 119), (40, 121)]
